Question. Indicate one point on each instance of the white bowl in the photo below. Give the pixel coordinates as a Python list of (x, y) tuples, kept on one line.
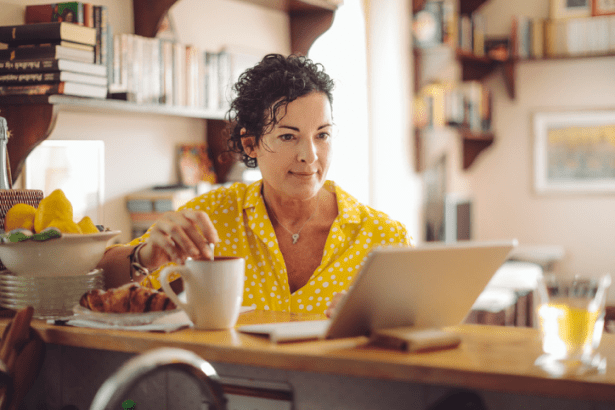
[(71, 254)]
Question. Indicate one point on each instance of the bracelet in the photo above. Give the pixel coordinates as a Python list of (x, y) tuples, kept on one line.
[(135, 262)]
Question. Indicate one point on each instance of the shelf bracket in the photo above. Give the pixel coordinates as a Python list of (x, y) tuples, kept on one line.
[(306, 27), (29, 125), (472, 148), (148, 15), (508, 70)]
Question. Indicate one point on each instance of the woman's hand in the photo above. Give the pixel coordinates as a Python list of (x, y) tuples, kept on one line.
[(177, 236), (335, 300)]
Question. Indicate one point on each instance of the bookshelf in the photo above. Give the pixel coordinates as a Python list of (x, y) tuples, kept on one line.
[(472, 68), (32, 120)]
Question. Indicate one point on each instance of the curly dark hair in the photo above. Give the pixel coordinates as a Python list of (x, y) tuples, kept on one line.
[(262, 92)]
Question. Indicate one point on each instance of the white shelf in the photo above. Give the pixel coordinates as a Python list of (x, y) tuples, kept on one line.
[(67, 103)]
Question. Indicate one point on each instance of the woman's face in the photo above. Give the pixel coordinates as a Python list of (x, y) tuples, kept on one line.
[(294, 157)]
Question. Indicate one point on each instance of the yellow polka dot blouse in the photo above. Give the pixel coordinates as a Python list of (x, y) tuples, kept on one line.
[(238, 212)]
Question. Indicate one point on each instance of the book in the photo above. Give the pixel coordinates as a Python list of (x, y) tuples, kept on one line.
[(70, 11), (50, 77), (63, 87), (100, 14), (60, 52), (88, 14), (50, 64), (35, 33), (64, 43), (478, 34), (159, 199), (538, 38)]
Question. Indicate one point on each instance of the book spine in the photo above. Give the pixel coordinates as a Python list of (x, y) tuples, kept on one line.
[(538, 37), (190, 76), (201, 89), (212, 81), (21, 53), (138, 74), (32, 89), (104, 29), (29, 78), (33, 65), (97, 24), (88, 15), (179, 72), (478, 35), (224, 78), (156, 70), (126, 53), (27, 32), (168, 75), (449, 23), (116, 80), (110, 54), (72, 11)]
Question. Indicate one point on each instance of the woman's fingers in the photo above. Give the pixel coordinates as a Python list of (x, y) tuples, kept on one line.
[(335, 300), (184, 234)]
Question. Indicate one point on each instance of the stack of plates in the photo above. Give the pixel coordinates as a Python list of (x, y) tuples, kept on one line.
[(52, 297)]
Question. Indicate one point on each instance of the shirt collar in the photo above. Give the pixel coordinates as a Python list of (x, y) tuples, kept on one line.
[(347, 205)]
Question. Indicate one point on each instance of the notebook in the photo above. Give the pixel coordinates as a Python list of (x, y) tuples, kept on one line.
[(429, 286)]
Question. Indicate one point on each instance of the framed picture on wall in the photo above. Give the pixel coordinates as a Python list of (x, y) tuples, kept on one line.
[(603, 7), (574, 151), (562, 9)]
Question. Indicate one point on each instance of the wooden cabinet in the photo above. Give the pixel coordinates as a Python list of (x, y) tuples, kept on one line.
[(32, 121)]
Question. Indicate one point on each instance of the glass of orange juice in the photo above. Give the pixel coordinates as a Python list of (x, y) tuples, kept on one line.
[(570, 314)]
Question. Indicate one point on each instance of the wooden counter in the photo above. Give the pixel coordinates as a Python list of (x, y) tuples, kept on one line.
[(489, 358)]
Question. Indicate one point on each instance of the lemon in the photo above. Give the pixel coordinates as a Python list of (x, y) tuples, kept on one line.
[(65, 226), (53, 207), (19, 216), (87, 226)]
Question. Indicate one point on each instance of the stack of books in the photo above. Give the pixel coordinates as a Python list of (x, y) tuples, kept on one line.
[(147, 206), (50, 58)]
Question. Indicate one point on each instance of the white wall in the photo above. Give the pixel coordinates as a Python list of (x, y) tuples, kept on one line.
[(394, 186), (502, 179)]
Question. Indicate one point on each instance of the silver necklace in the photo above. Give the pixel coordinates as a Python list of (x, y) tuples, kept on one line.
[(295, 236)]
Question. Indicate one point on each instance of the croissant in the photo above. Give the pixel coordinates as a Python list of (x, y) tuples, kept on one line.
[(128, 298)]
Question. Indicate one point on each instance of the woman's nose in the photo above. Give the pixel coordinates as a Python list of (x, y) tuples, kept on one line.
[(307, 152)]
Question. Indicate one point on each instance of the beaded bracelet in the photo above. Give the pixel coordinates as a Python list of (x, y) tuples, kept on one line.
[(135, 262)]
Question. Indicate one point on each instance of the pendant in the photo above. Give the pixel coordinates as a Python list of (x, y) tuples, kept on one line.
[(295, 238)]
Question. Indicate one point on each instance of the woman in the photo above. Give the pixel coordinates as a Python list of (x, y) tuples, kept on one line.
[(303, 238)]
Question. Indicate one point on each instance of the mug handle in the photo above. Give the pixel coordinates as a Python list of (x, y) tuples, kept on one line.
[(164, 282)]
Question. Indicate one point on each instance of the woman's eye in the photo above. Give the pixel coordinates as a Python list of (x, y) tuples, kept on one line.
[(286, 137), (323, 135)]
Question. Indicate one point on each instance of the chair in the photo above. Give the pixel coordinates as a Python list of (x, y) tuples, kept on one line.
[(114, 389)]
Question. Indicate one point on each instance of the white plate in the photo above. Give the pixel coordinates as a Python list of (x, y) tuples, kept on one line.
[(120, 319)]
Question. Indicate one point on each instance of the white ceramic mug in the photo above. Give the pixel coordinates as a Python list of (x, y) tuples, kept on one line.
[(214, 291)]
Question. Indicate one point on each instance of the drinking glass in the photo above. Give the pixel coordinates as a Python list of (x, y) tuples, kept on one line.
[(570, 313)]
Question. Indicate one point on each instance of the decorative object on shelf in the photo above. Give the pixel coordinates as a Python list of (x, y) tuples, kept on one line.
[(560, 9), (603, 7), (427, 25), (195, 164), (574, 151)]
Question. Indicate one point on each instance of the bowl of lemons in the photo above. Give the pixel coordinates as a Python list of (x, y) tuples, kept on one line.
[(46, 241)]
